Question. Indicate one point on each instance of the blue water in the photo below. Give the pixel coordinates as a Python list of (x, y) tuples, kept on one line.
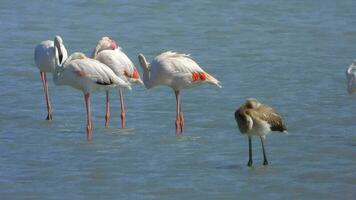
[(291, 55)]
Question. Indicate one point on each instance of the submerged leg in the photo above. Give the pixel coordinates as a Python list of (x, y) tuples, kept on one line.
[(89, 125), (122, 104), (107, 110), (178, 114), (265, 162), (249, 151), (45, 88), (181, 117)]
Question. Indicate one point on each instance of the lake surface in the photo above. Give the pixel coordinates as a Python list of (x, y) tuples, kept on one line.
[(292, 56)]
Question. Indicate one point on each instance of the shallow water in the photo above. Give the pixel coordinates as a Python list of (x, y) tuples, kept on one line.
[(291, 56)]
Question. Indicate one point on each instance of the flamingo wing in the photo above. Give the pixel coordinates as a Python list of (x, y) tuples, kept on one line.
[(87, 73), (183, 69)]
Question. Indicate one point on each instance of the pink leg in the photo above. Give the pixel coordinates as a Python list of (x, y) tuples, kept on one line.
[(89, 126), (45, 88), (107, 110), (122, 104), (181, 120), (178, 115)]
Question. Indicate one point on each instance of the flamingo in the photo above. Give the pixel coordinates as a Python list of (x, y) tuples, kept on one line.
[(351, 77), (84, 74), (178, 71), (256, 119), (109, 53), (44, 60)]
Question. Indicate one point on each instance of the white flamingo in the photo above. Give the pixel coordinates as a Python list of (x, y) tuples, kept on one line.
[(84, 74), (177, 71), (351, 78), (109, 53), (44, 60)]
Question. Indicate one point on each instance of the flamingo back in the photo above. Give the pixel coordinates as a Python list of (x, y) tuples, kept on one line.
[(179, 71), (90, 75), (44, 56), (119, 63)]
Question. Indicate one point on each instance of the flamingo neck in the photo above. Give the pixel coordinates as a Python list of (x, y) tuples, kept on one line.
[(146, 71), (146, 78)]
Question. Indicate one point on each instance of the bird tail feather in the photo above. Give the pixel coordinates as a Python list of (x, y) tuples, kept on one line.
[(213, 81)]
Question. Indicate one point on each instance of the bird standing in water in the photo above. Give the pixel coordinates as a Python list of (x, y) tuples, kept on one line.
[(84, 74), (178, 71), (351, 78), (44, 60), (256, 119), (108, 52)]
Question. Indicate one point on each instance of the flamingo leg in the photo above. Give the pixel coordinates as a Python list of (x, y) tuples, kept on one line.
[(122, 104), (178, 115), (107, 110), (265, 162), (45, 88), (249, 151), (181, 117), (89, 126)]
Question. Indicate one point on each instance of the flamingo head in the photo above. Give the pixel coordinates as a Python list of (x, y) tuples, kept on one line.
[(105, 43), (143, 62), (252, 103)]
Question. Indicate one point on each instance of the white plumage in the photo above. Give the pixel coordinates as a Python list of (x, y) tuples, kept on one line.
[(108, 52), (84, 74), (351, 77), (44, 60), (177, 71)]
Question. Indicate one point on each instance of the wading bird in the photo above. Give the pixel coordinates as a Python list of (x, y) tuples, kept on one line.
[(256, 119), (351, 78), (178, 71), (44, 60), (108, 52), (84, 74)]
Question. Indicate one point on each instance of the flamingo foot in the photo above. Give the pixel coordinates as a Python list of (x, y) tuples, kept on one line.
[(123, 119), (249, 163), (89, 133), (265, 162), (178, 127), (49, 117)]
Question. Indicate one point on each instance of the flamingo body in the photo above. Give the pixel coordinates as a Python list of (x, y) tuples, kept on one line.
[(44, 56), (44, 61), (109, 53), (120, 64), (177, 71), (84, 74), (88, 75)]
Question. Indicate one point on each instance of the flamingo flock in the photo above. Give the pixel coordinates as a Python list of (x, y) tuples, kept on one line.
[(110, 68)]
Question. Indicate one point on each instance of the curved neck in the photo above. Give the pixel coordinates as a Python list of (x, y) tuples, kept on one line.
[(95, 51), (146, 71), (60, 56)]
